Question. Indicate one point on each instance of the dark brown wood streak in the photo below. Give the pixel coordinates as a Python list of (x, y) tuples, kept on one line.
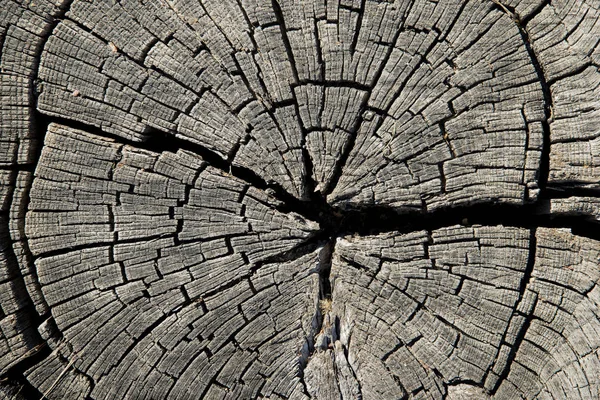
[(282, 199)]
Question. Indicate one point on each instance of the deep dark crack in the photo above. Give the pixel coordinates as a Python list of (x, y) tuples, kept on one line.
[(334, 221)]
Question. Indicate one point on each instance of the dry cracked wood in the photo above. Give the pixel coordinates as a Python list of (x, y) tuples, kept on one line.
[(353, 199)]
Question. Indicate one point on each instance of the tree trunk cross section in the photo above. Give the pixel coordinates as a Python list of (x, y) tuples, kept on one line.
[(353, 199)]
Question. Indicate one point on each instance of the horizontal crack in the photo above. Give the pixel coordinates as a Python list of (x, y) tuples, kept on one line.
[(372, 219), (380, 219)]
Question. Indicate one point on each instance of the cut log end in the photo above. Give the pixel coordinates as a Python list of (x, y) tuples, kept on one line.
[(297, 200)]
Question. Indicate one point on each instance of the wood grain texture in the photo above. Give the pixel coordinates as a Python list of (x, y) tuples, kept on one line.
[(277, 199)]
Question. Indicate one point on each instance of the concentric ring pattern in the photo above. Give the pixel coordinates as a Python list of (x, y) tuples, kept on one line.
[(350, 199)]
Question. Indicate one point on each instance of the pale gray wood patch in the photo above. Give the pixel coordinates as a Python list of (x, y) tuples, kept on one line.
[(349, 199)]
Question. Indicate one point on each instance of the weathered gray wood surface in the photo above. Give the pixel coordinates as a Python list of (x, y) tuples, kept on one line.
[(351, 199)]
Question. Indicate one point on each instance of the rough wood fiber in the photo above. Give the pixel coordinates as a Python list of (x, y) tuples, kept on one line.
[(350, 199)]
